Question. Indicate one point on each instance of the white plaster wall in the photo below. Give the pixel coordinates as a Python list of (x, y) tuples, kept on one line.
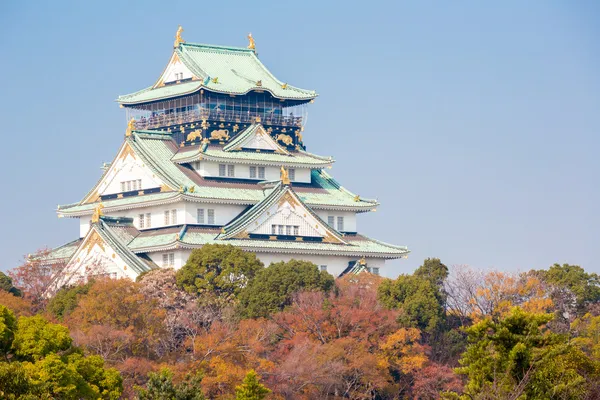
[(242, 171), (84, 225), (349, 219), (186, 214), (181, 257), (175, 68)]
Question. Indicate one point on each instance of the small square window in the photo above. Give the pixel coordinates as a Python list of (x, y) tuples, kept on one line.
[(211, 216), (375, 270), (201, 215), (340, 223), (253, 172), (292, 174), (231, 171), (222, 170), (261, 172), (330, 220), (323, 268)]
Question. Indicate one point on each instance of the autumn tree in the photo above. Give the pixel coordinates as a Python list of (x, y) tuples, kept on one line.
[(251, 388), (117, 321), (19, 305), (218, 271), (35, 277), (273, 287)]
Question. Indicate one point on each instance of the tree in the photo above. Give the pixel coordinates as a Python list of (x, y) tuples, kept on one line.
[(35, 277), (44, 364), (572, 289), (8, 326), (419, 301), (434, 271), (251, 388), (6, 285), (160, 386), (65, 300), (19, 305), (518, 356), (218, 271), (272, 288)]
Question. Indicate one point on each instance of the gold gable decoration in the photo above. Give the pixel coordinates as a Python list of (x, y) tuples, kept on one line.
[(178, 38), (130, 127), (251, 42), (285, 178), (94, 239), (97, 213)]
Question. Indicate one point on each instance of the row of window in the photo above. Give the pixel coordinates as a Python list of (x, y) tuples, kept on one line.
[(228, 170), (178, 75), (171, 217), (128, 186), (290, 230), (168, 260), (204, 216), (340, 222), (208, 213)]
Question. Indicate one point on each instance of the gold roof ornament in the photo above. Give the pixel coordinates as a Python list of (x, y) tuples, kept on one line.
[(130, 127), (362, 261), (251, 43), (178, 38), (284, 86), (97, 213), (285, 178), (357, 198)]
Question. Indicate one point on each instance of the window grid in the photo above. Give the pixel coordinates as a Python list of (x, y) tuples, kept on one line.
[(323, 268), (252, 172), (340, 223), (292, 174), (211, 216), (261, 172), (222, 169), (201, 215), (141, 221), (167, 217), (330, 220), (230, 171), (174, 217), (148, 220)]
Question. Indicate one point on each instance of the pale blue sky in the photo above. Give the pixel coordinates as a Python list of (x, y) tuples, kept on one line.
[(476, 125)]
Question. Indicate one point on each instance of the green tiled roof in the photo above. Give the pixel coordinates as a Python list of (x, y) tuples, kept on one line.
[(62, 253), (216, 153), (238, 71), (358, 245)]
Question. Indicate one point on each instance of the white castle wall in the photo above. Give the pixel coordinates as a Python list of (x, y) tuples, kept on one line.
[(242, 171)]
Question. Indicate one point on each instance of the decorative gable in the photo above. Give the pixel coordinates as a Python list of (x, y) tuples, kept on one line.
[(255, 138), (126, 173), (281, 213), (174, 72)]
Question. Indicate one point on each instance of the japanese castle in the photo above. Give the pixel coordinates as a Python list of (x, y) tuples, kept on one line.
[(214, 152)]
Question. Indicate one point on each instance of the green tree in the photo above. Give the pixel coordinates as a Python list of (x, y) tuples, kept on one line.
[(520, 357), (272, 288), (218, 270), (160, 386), (573, 289), (8, 326), (251, 388), (7, 285), (65, 300), (419, 301), (44, 364), (433, 270)]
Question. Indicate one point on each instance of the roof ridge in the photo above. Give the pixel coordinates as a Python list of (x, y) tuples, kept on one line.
[(217, 47)]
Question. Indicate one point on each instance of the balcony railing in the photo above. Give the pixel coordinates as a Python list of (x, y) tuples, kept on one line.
[(178, 118)]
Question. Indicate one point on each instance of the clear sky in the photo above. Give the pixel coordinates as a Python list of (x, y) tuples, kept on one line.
[(476, 124)]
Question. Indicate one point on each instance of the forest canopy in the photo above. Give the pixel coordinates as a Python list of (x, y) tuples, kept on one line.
[(226, 327)]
